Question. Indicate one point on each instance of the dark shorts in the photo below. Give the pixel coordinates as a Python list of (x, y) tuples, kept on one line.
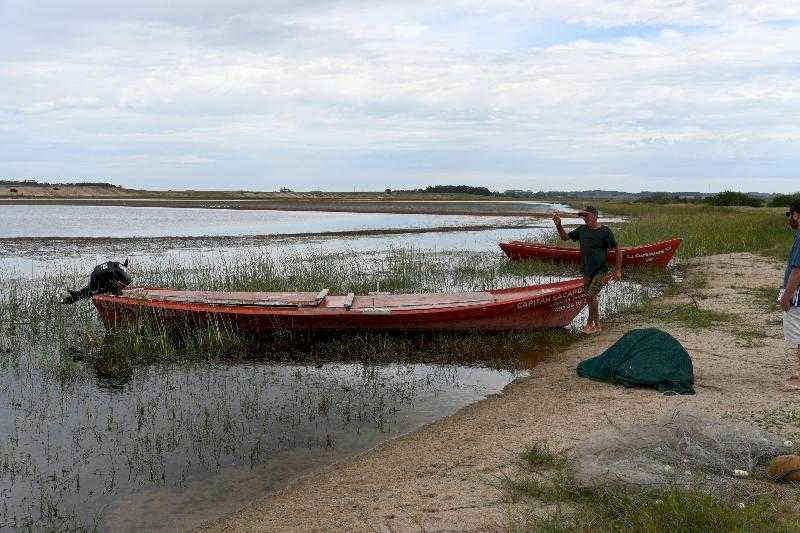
[(593, 285)]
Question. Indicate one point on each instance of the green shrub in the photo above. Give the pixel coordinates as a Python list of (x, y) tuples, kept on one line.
[(728, 198), (783, 200)]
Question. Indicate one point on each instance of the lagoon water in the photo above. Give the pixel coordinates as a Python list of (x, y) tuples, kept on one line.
[(33, 239), (117, 221), (171, 446)]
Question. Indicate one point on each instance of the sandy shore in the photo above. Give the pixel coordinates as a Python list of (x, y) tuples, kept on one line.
[(440, 478)]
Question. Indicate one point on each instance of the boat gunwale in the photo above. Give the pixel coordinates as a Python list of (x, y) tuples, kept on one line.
[(575, 249), (508, 297)]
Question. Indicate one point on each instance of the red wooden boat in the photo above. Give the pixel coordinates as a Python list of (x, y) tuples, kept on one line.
[(534, 307), (656, 254)]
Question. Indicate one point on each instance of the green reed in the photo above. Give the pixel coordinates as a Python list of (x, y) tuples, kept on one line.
[(705, 230), (30, 312)]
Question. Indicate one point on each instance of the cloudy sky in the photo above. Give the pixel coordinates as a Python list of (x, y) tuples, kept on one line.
[(362, 95)]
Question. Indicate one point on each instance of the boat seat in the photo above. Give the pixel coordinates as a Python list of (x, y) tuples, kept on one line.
[(258, 299), (420, 301)]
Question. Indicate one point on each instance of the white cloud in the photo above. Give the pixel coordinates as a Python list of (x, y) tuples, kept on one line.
[(711, 79)]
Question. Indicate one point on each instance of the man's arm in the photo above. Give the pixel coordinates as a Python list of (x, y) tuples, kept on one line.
[(618, 251), (788, 291), (561, 232)]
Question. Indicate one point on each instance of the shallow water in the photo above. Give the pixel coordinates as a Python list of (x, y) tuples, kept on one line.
[(173, 446), (118, 221), (39, 258), (232, 236)]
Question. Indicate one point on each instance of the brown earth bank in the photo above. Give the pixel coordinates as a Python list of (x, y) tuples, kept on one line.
[(416, 206), (444, 476)]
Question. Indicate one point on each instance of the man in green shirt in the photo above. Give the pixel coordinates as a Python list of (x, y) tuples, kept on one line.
[(595, 241)]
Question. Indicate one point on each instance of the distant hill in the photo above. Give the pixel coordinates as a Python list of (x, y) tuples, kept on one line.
[(599, 194)]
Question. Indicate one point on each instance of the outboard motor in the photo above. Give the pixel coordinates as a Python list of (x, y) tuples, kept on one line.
[(109, 277)]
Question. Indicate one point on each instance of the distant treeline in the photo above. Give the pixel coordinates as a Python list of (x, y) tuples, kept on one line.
[(742, 199), (725, 198), (459, 189), (35, 183)]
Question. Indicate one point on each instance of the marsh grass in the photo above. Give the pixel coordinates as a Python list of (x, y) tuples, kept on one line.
[(766, 297), (750, 336), (705, 230), (539, 454), (550, 500), (29, 310), (695, 317)]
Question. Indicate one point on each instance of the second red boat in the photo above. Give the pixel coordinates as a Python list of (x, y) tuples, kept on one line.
[(656, 254)]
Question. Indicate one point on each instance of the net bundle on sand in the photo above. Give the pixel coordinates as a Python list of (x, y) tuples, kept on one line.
[(680, 450)]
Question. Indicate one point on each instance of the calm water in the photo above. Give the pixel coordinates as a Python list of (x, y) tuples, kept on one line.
[(171, 446), (117, 221), (229, 233)]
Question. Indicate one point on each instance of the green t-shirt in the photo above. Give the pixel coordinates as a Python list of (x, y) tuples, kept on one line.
[(595, 244)]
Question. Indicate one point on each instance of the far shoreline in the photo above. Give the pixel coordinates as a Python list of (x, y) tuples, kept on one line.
[(460, 207)]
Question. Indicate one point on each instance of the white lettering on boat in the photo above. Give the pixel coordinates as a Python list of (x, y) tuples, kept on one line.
[(557, 302), (649, 254)]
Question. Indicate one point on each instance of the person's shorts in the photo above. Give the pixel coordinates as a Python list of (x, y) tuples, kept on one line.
[(791, 326), (593, 285)]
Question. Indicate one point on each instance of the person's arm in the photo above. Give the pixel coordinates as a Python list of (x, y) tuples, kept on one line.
[(618, 251), (612, 244), (559, 228), (788, 291)]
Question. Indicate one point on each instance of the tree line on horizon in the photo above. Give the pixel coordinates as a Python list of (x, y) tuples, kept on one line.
[(36, 183), (724, 198)]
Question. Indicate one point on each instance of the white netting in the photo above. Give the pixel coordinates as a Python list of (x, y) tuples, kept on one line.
[(680, 450)]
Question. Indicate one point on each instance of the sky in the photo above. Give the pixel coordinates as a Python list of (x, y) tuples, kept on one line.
[(673, 95)]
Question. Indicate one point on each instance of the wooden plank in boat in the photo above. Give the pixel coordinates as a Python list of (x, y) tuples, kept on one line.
[(421, 301), (259, 299)]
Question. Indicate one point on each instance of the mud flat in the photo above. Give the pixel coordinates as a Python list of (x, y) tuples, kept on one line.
[(418, 207), (444, 476)]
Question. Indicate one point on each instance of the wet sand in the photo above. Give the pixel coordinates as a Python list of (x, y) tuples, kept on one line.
[(509, 208), (443, 477), (254, 239)]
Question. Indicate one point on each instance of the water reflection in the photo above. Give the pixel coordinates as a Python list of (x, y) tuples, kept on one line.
[(174, 446)]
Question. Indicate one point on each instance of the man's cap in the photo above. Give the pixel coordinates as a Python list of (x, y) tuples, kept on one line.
[(588, 209), (794, 207)]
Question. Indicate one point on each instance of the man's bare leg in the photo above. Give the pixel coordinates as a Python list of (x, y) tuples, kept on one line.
[(593, 322), (594, 312), (795, 373), (793, 383)]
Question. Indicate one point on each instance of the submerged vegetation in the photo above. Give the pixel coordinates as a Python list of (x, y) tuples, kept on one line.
[(28, 310), (145, 406)]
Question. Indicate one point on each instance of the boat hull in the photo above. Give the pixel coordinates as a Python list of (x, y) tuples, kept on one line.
[(657, 254), (537, 307)]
